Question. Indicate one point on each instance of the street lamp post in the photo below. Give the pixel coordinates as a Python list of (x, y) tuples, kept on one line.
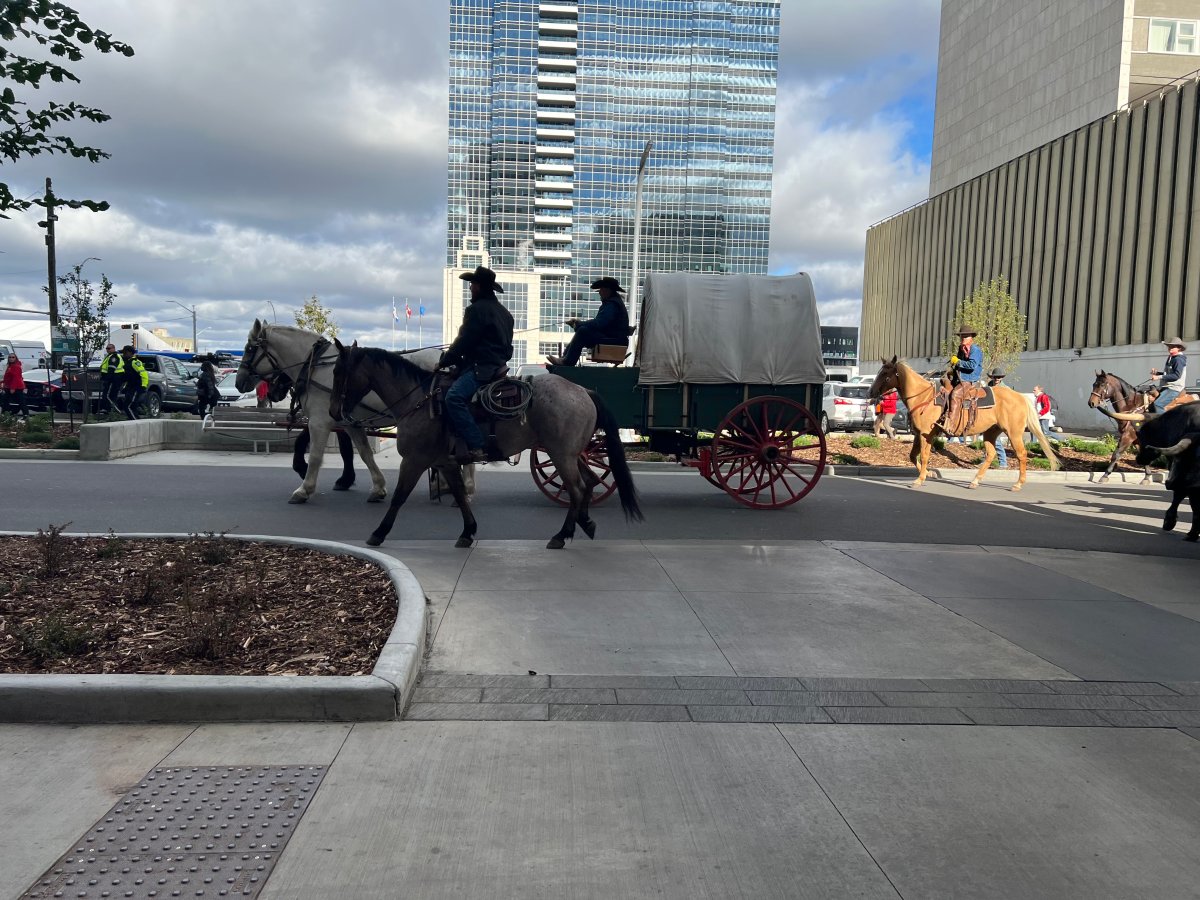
[(634, 292), (192, 310)]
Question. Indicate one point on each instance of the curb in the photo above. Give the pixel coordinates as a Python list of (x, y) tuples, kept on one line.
[(102, 699), (966, 475), (38, 453)]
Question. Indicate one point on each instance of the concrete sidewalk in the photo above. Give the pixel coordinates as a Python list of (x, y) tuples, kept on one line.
[(689, 728)]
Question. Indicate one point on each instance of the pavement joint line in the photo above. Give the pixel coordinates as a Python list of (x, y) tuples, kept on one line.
[(951, 701), (98, 698)]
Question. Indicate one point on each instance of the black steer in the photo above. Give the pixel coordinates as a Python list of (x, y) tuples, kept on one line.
[(1174, 434)]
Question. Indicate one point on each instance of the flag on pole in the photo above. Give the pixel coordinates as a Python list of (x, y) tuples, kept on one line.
[(395, 315), (407, 310), (421, 310)]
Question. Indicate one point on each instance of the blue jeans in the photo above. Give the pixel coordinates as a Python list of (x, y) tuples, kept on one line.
[(458, 412), (1165, 397), (1001, 453)]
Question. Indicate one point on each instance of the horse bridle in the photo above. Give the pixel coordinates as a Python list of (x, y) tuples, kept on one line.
[(1105, 395), (377, 415)]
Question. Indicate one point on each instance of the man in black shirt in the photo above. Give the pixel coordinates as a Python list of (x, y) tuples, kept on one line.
[(483, 347)]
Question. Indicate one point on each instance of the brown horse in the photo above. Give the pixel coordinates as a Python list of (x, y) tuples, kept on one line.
[(1012, 415), (1125, 398)]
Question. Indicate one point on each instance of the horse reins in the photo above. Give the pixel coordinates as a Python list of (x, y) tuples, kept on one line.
[(386, 412)]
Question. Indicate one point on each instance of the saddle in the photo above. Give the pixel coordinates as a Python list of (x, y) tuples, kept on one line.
[(498, 399), (961, 402)]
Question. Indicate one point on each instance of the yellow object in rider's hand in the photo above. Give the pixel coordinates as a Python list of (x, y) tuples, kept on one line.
[(954, 360)]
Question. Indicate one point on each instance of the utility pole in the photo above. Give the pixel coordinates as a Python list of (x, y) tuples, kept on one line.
[(52, 274)]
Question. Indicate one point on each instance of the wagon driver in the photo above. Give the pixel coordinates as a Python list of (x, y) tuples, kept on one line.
[(966, 368), (611, 325), (481, 352)]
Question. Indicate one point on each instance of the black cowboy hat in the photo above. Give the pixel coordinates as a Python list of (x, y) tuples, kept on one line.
[(1173, 342), (966, 331), (997, 373), (609, 282), (483, 275)]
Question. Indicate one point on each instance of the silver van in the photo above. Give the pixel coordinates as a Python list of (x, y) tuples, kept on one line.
[(33, 354)]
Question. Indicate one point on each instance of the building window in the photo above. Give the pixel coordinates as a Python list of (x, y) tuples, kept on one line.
[(1173, 36)]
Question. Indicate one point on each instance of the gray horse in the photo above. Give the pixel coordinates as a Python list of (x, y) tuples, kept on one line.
[(275, 350), (561, 419)]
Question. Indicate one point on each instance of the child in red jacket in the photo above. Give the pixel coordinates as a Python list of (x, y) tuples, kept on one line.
[(14, 386)]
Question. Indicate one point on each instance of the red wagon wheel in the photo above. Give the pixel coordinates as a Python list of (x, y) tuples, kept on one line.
[(768, 453), (550, 483)]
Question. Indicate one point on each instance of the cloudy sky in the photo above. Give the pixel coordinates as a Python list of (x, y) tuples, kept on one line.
[(267, 150)]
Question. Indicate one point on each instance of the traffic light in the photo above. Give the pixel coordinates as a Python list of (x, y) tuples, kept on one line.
[(128, 327)]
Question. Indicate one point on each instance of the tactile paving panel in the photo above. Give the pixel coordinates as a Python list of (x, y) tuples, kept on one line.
[(202, 831)]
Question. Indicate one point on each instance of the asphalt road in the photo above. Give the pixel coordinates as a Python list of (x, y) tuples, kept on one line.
[(139, 495)]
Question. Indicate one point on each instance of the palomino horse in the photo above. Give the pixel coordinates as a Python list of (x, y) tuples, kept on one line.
[(278, 352), (561, 418), (1012, 415)]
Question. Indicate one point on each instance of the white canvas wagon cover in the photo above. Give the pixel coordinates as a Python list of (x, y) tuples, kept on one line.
[(729, 329)]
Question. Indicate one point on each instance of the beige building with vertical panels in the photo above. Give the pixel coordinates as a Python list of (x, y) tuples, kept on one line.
[(1014, 75), (1098, 232), (1096, 223)]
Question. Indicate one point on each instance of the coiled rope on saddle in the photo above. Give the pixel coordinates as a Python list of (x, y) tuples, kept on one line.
[(507, 398)]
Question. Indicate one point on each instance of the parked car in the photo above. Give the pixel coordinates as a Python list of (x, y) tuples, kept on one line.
[(43, 388), (230, 395), (845, 406)]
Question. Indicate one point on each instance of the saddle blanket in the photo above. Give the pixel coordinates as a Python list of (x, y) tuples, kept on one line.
[(987, 401)]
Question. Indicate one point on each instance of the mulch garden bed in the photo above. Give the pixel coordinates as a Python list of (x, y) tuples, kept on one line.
[(205, 605)]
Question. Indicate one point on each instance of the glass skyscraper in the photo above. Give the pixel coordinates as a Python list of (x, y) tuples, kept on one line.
[(551, 105)]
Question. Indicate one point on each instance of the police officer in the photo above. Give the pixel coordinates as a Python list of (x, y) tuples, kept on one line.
[(112, 379), (136, 381), (481, 350)]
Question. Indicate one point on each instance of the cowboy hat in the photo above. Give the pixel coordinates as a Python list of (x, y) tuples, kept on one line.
[(966, 331), (1176, 342), (609, 282), (483, 275), (997, 373)]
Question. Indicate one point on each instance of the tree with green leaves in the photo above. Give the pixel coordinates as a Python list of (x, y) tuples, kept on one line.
[(315, 317), (87, 309), (1000, 325), (25, 130)]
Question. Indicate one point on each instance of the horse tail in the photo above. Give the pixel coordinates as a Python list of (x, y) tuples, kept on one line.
[(616, 460), (1035, 428)]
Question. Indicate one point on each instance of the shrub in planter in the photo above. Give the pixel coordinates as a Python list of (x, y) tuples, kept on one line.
[(70, 443), (865, 440), (35, 437)]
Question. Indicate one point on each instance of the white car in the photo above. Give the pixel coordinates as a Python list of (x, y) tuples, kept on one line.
[(845, 406), (231, 396)]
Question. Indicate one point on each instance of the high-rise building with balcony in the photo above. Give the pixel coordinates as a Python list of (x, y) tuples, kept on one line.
[(551, 106)]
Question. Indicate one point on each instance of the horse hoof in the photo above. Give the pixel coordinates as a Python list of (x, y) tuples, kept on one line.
[(464, 542), (556, 543), (589, 528), (295, 499), (973, 485), (1102, 479), (1015, 488), (376, 498), (1146, 481), (1169, 522), (374, 541), (341, 487), (1192, 538)]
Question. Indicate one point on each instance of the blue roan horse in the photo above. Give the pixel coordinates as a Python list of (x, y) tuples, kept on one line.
[(561, 419)]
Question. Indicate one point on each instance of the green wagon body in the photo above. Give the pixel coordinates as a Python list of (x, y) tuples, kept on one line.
[(757, 441)]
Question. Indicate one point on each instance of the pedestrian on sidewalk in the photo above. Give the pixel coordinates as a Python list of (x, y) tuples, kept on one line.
[(112, 379), (136, 381), (885, 411), (996, 379), (1041, 400), (14, 386)]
